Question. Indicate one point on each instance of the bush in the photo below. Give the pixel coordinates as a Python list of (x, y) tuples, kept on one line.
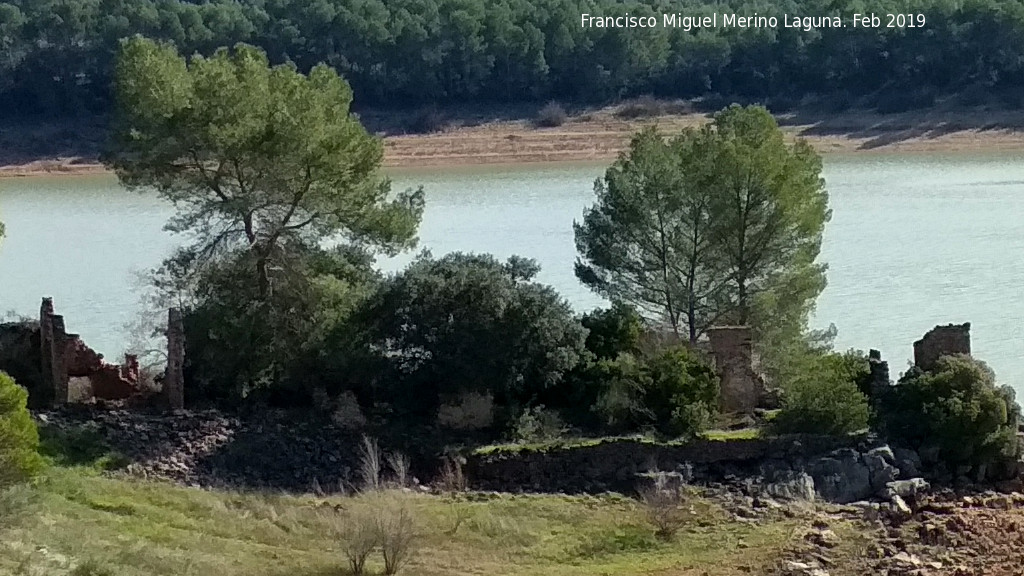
[(472, 411), (551, 115), (613, 331), (19, 439), (663, 505), (610, 332), (825, 398), (957, 408), (641, 107), (396, 533), (427, 121), (538, 424), (469, 323), (379, 521), (241, 348), (357, 531), (673, 392)]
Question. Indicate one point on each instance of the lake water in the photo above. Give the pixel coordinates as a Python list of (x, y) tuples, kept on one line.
[(914, 241)]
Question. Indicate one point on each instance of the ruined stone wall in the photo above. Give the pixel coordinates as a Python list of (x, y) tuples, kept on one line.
[(173, 392), (614, 464), (942, 341), (19, 357), (742, 388), (56, 367)]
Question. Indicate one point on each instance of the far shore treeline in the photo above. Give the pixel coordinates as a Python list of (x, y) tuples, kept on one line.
[(57, 56)]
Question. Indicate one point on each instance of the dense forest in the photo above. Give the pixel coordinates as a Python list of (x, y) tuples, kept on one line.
[(56, 56)]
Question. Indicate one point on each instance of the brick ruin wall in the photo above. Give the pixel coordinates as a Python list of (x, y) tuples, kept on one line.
[(57, 367)]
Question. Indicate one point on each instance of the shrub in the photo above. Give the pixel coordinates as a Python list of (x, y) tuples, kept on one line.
[(355, 528), (642, 107), (550, 116), (347, 413), (401, 469), (371, 465), (663, 505), (673, 391), (427, 121), (469, 323), (19, 439), (538, 424), (451, 478), (613, 331), (473, 411), (610, 332), (824, 398), (357, 531), (958, 408), (396, 533)]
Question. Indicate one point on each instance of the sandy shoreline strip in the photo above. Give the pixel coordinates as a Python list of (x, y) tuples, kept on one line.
[(601, 136)]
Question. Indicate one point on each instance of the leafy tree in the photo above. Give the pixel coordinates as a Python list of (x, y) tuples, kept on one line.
[(644, 242), (957, 408), (244, 347), (723, 224), (253, 156), (58, 57), (612, 331), (768, 211), (469, 323), (19, 439), (824, 396)]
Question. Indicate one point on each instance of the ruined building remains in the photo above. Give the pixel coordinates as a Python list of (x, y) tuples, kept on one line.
[(742, 387), (173, 391), (57, 367), (942, 341)]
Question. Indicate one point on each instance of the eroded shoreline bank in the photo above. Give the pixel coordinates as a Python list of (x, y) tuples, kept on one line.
[(601, 135)]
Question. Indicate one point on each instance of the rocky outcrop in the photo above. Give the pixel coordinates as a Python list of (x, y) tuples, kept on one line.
[(839, 470), (212, 449)]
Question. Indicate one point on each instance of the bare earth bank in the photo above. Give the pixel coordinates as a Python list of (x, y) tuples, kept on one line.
[(595, 135)]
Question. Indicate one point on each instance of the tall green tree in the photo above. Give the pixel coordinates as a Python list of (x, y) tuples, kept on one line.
[(768, 209), (721, 225), (645, 240), (252, 156)]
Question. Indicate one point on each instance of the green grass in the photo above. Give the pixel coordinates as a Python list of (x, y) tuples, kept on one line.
[(726, 435), (562, 443), (566, 443), (78, 522)]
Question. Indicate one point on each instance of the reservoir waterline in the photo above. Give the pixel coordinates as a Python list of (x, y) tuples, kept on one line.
[(915, 240)]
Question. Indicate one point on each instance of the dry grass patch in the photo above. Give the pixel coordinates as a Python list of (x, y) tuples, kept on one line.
[(80, 521)]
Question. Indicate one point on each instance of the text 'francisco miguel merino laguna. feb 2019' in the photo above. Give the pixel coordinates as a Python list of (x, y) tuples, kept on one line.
[(717, 20)]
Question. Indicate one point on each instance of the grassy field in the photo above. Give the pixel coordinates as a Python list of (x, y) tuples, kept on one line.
[(80, 520), (76, 521)]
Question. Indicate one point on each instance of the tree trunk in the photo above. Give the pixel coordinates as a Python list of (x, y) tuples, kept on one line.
[(262, 279)]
